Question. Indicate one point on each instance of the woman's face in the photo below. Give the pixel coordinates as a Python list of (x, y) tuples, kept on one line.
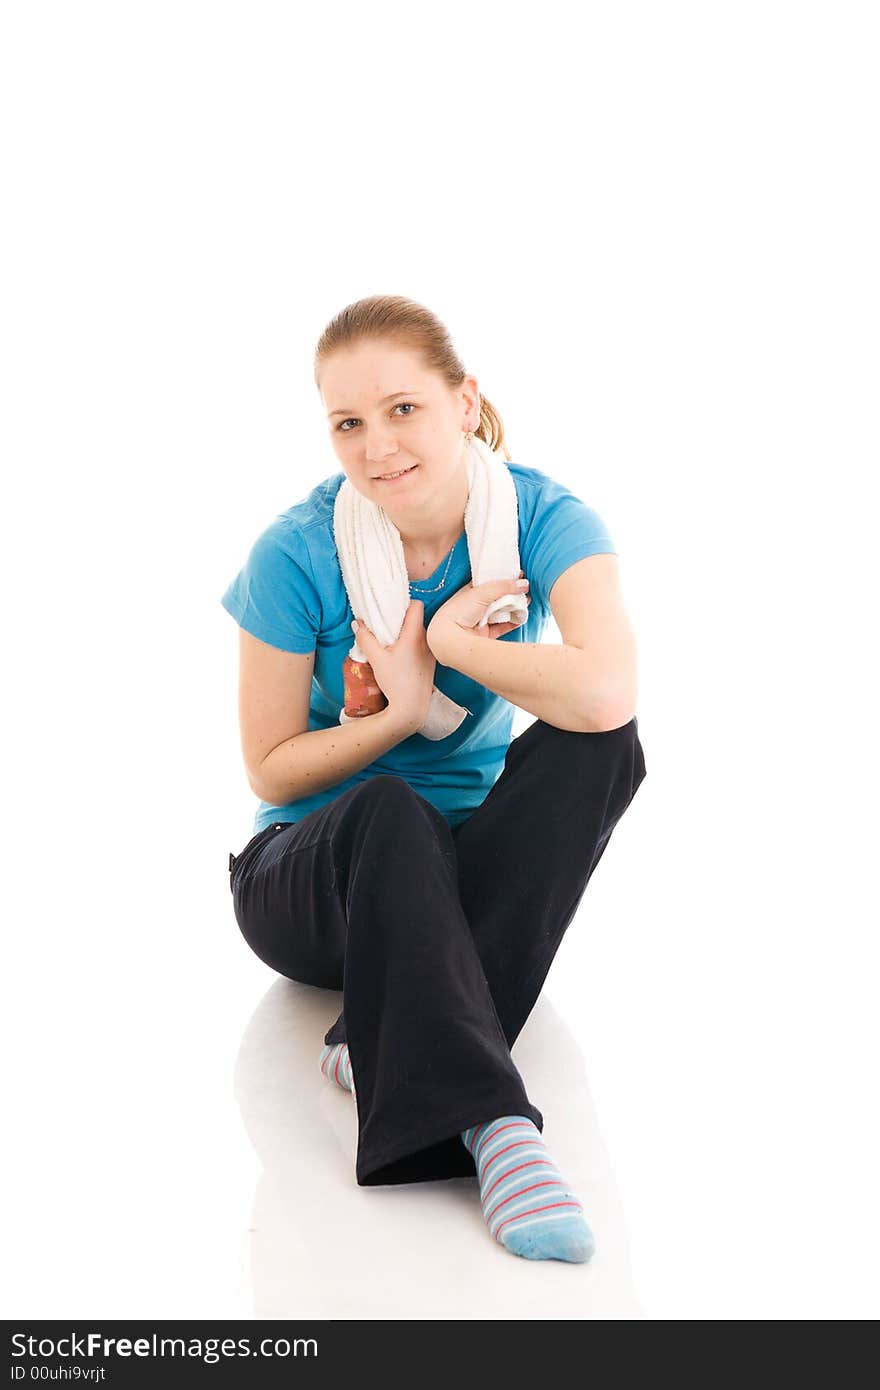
[(420, 430)]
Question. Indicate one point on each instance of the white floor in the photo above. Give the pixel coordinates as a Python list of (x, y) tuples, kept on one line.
[(177, 1162), (668, 287), (419, 1250), (701, 1054)]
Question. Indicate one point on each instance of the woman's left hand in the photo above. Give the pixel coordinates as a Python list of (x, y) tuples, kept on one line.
[(466, 609)]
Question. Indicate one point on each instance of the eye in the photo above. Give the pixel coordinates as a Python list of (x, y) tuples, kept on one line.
[(342, 423)]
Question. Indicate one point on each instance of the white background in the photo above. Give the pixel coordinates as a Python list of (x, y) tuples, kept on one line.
[(652, 231)]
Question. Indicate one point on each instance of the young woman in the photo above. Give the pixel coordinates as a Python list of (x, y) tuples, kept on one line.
[(431, 879)]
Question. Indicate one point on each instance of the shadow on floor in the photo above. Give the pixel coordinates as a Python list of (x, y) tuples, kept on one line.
[(320, 1246)]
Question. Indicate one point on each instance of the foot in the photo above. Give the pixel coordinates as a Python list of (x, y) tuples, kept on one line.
[(526, 1203), (336, 1064)]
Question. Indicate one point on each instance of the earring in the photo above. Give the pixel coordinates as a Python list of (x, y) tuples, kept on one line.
[(468, 436)]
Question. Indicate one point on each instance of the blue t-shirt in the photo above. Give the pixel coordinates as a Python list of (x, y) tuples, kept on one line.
[(291, 595)]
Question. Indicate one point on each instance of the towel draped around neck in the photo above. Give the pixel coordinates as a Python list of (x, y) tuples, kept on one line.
[(373, 565)]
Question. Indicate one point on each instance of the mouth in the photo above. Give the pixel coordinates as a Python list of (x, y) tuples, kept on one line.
[(395, 477)]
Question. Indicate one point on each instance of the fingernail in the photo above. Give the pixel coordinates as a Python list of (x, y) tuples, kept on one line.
[(522, 583), (354, 625)]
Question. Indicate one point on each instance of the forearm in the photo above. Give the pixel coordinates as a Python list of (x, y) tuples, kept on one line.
[(313, 761), (550, 680)]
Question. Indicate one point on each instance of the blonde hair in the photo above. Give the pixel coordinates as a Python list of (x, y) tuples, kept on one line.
[(407, 324)]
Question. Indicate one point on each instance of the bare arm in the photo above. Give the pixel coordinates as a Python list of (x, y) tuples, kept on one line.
[(284, 759), (313, 761), (588, 682), (545, 678)]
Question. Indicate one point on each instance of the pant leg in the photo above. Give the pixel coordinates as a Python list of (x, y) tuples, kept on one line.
[(285, 901), (363, 894), (527, 853)]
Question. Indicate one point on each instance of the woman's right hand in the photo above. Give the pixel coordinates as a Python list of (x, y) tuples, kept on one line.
[(403, 671)]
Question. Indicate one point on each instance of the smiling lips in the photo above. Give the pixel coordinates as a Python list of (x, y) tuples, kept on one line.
[(390, 477)]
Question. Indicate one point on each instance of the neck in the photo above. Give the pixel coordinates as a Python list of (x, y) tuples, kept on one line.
[(438, 525)]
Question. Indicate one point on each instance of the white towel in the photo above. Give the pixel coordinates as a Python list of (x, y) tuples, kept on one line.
[(374, 570)]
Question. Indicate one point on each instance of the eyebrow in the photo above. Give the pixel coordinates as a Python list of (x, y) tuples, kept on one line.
[(382, 402)]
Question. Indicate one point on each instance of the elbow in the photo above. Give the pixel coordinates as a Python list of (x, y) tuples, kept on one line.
[(261, 780), (611, 721), (259, 787), (610, 711)]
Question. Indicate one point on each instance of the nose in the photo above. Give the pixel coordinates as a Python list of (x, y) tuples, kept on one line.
[(379, 446)]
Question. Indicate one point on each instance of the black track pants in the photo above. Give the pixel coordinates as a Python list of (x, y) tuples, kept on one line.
[(439, 939)]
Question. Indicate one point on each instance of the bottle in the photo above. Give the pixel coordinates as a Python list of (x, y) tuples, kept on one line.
[(362, 694)]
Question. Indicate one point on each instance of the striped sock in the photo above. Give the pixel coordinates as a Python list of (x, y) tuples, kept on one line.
[(526, 1203), (335, 1063)]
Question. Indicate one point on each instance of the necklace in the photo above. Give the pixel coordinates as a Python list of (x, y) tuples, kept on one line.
[(442, 581)]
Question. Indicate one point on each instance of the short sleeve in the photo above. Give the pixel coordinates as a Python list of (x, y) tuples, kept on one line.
[(274, 596), (565, 530)]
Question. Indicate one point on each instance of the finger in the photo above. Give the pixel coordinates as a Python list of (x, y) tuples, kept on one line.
[(414, 616), (497, 587), (363, 635)]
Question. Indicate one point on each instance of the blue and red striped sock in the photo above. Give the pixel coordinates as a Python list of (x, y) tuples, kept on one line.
[(335, 1063), (526, 1203)]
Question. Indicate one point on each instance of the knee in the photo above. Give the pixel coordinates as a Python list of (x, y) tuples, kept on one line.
[(624, 738), (575, 743), (393, 796), (391, 793), (622, 754), (589, 757), (386, 786)]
